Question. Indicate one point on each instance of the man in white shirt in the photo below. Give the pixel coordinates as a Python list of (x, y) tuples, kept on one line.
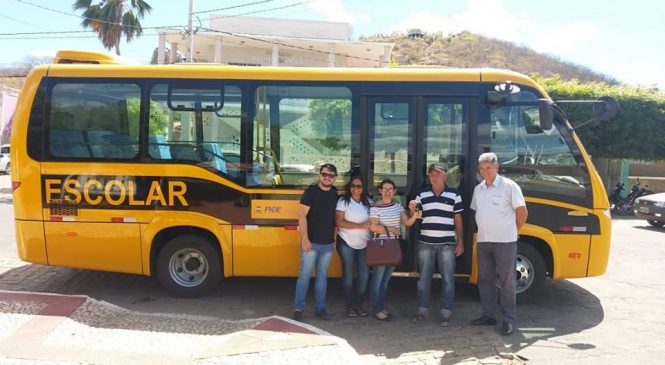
[(500, 213)]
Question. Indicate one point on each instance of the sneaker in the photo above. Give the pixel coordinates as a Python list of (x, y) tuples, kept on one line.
[(484, 320), (322, 314), (445, 321), (297, 315)]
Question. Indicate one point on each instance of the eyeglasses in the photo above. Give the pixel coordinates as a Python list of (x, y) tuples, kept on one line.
[(327, 175), (356, 186)]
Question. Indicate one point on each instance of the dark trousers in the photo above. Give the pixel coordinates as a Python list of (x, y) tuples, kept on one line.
[(497, 259)]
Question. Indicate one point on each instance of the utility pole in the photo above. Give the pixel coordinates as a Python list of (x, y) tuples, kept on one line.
[(190, 33)]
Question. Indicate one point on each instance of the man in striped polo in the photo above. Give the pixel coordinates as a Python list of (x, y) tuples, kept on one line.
[(440, 242)]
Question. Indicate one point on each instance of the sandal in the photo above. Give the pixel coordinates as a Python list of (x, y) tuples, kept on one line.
[(351, 313), (383, 316)]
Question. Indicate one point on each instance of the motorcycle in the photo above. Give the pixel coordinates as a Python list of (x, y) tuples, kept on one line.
[(624, 206)]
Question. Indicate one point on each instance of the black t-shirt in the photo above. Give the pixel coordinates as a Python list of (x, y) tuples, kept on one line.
[(321, 215)]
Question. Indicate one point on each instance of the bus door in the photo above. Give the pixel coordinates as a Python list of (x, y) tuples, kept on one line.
[(443, 125), (406, 134)]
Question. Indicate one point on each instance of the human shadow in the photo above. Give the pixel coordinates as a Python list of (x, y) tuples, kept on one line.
[(562, 308)]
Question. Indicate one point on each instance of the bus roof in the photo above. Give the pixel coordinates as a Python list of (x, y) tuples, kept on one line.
[(72, 63)]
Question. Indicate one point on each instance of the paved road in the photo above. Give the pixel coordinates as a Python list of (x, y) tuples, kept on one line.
[(616, 318)]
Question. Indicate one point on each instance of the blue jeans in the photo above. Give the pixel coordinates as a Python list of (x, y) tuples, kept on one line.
[(353, 259), (318, 256), (378, 286), (444, 256)]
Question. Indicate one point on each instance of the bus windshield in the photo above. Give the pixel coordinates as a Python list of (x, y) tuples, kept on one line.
[(546, 163)]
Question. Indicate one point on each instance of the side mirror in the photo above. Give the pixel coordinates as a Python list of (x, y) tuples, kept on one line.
[(546, 111), (605, 109)]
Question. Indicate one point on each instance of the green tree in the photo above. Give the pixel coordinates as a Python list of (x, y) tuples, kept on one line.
[(637, 132), (112, 19)]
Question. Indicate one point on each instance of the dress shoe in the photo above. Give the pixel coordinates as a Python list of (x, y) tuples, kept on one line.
[(484, 321), (506, 328)]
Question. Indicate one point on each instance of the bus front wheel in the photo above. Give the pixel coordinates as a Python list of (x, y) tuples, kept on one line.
[(530, 272), (189, 266)]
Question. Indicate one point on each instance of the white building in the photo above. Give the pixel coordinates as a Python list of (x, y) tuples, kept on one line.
[(256, 41)]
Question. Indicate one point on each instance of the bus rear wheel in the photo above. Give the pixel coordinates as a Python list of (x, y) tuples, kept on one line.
[(189, 266), (530, 272)]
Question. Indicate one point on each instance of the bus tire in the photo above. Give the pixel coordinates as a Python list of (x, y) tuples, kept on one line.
[(530, 272), (189, 266)]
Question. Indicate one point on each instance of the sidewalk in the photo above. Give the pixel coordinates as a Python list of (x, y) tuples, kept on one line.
[(61, 329)]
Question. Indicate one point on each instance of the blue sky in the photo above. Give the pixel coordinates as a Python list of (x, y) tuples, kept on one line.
[(620, 38)]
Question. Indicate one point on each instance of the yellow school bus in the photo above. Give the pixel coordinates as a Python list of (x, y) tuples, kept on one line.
[(192, 173)]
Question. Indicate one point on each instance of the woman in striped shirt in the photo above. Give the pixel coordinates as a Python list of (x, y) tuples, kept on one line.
[(385, 217)]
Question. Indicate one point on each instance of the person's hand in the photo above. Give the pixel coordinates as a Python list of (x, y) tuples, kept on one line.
[(459, 249), (306, 245), (418, 214), (412, 205)]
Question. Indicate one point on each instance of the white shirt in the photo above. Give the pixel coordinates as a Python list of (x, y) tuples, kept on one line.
[(495, 209), (354, 212)]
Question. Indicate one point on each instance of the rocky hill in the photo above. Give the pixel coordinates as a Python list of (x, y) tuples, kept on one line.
[(472, 50)]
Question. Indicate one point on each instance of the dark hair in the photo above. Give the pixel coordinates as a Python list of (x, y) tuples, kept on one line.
[(328, 166), (364, 198), (387, 181)]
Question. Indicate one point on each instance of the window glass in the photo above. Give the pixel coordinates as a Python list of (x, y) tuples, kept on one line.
[(445, 139), (543, 162), (297, 129), (392, 132), (94, 121), (197, 123)]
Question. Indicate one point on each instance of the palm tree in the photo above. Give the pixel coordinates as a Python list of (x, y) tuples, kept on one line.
[(113, 18)]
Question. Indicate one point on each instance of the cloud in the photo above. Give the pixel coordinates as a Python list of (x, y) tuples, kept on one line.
[(487, 17), (493, 19), (335, 11), (565, 39), (38, 53)]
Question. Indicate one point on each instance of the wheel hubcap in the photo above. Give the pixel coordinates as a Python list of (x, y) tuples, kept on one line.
[(188, 267), (524, 273)]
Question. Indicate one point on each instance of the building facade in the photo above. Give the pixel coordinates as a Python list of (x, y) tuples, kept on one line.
[(253, 41)]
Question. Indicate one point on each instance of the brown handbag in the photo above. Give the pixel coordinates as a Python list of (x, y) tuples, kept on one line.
[(383, 251)]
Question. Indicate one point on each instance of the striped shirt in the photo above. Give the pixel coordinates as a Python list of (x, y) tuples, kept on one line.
[(438, 226), (389, 215)]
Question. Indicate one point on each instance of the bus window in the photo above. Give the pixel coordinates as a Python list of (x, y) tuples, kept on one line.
[(543, 162), (197, 123), (297, 129), (445, 138), (96, 121), (392, 132)]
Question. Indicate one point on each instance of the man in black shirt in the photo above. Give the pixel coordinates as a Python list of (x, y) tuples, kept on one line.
[(316, 218)]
